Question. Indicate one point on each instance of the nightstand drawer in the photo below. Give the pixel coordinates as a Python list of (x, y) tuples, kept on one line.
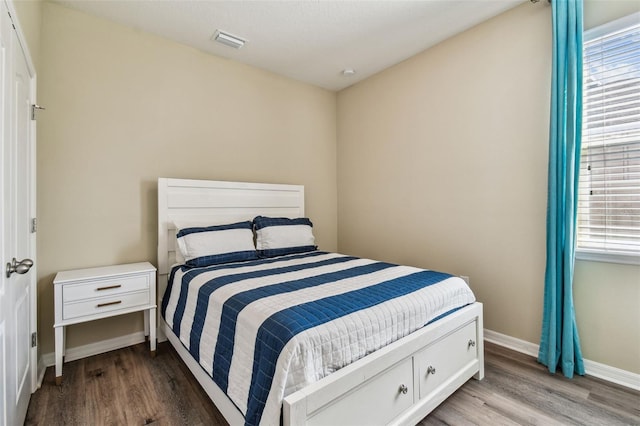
[(107, 287), (104, 304)]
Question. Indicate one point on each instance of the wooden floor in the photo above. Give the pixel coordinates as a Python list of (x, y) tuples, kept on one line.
[(128, 387)]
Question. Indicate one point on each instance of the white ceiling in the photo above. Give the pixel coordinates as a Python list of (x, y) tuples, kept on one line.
[(307, 40)]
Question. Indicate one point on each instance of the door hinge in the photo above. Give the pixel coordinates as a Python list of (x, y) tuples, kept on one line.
[(34, 107), (34, 225), (11, 20), (34, 339)]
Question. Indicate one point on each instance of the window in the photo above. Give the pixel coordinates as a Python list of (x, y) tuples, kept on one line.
[(609, 187)]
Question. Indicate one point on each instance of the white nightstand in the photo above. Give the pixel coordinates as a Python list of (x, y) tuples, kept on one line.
[(89, 294)]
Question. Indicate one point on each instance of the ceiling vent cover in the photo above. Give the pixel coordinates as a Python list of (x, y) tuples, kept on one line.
[(228, 39)]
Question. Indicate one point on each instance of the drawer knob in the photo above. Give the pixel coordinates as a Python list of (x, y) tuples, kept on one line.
[(431, 370), (403, 389), (472, 343)]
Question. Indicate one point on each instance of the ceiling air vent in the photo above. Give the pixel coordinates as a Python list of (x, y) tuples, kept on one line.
[(228, 39)]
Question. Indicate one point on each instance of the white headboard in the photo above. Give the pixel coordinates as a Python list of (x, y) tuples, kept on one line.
[(201, 200)]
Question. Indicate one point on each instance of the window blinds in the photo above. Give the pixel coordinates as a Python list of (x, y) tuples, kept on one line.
[(609, 187)]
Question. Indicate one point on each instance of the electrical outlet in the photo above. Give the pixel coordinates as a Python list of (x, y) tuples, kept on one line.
[(466, 279)]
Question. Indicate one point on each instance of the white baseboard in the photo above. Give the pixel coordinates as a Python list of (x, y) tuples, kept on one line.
[(612, 374), (517, 345), (72, 354), (42, 368), (592, 368)]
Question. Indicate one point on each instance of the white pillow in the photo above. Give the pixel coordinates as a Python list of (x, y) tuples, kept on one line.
[(277, 236), (274, 237), (210, 245), (197, 223)]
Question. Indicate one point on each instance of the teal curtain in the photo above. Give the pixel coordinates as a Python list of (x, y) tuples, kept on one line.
[(559, 342)]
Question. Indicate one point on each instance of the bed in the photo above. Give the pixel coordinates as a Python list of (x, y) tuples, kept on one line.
[(397, 379)]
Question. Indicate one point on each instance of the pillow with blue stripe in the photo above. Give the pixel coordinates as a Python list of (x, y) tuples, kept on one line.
[(277, 236), (211, 245)]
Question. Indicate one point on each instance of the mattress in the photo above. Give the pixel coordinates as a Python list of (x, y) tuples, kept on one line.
[(263, 329)]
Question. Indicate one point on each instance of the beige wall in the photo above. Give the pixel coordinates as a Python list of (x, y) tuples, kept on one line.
[(124, 108), (442, 163), (607, 302)]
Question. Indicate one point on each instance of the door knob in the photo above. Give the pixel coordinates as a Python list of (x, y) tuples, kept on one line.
[(21, 267)]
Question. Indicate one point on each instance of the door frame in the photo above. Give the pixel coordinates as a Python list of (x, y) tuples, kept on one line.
[(36, 375)]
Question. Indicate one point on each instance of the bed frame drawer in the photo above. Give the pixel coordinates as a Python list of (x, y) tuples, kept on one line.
[(438, 362), (385, 396)]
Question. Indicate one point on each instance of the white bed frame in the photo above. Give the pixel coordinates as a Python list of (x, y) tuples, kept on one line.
[(398, 384)]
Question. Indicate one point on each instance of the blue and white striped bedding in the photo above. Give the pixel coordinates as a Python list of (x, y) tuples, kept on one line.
[(262, 329)]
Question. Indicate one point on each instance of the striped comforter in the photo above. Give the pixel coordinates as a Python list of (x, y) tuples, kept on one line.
[(263, 329)]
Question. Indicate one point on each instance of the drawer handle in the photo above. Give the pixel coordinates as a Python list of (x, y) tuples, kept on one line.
[(471, 344), (100, 305), (403, 389), (431, 370), (109, 287)]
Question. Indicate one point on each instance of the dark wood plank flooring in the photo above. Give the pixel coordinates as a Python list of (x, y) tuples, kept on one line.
[(128, 387)]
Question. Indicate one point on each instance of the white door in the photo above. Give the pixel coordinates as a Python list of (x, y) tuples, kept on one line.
[(18, 280)]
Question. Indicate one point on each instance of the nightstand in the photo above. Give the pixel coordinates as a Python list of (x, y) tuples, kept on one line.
[(85, 295)]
